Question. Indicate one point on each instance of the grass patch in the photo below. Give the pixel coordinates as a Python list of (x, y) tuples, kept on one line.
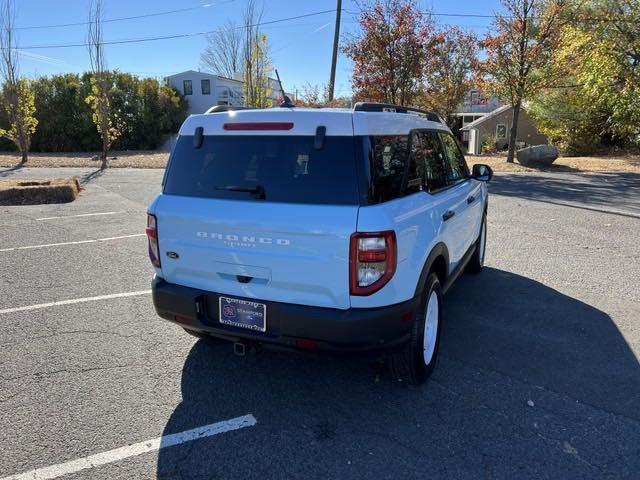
[(37, 192)]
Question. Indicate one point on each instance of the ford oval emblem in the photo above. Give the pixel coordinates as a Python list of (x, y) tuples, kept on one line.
[(173, 255)]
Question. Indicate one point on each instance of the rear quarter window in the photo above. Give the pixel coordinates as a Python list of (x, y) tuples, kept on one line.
[(284, 169)]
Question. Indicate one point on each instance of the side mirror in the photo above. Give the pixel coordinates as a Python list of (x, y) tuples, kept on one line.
[(482, 172)]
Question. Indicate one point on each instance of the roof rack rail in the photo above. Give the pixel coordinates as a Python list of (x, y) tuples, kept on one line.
[(225, 108), (389, 107)]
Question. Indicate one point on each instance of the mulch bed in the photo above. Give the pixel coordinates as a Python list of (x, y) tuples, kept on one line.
[(37, 192), (127, 159)]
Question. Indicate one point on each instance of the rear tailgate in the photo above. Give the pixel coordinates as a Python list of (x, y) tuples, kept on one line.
[(292, 253)]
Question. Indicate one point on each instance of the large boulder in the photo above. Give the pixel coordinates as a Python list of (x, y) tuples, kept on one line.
[(537, 155)]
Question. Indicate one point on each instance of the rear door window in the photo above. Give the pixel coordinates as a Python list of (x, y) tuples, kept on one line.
[(415, 172), (388, 160), (457, 166), (265, 168)]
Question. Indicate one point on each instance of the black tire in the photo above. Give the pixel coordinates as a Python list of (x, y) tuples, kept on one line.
[(476, 263), (408, 364)]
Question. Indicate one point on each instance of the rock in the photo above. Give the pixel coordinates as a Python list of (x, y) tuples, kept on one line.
[(537, 156)]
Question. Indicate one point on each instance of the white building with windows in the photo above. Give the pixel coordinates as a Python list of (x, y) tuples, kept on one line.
[(204, 90)]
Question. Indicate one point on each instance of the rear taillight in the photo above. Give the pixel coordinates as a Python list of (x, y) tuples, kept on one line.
[(372, 261), (152, 236)]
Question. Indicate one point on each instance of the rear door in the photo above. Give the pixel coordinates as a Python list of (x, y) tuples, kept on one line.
[(261, 216), (468, 193)]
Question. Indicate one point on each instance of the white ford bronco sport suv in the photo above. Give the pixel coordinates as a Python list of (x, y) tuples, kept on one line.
[(321, 229)]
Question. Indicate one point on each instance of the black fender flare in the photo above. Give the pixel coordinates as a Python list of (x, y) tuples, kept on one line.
[(440, 249)]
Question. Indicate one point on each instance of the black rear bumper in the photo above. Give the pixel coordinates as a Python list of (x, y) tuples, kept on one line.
[(355, 329)]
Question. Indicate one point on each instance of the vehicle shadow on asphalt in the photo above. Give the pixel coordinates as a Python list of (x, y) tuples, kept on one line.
[(619, 190), (497, 324)]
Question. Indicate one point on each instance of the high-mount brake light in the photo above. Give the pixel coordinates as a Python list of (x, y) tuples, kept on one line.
[(258, 126), (152, 236), (372, 261)]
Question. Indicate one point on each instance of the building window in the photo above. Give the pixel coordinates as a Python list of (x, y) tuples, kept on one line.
[(205, 86), (501, 130), (187, 87)]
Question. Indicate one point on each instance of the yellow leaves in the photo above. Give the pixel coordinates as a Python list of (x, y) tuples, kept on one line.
[(19, 102), (107, 122)]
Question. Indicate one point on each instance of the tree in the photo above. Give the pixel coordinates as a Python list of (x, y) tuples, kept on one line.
[(152, 112), (17, 94), (518, 52), (109, 126), (317, 96), (223, 53), (595, 98), (256, 61), (65, 123), (448, 71), (390, 53)]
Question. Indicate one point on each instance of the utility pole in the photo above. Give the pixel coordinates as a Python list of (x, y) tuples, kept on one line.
[(336, 37)]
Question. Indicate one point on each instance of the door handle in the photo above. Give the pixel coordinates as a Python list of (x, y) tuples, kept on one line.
[(471, 199), (448, 214)]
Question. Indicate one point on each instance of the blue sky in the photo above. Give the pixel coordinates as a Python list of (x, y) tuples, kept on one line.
[(301, 49)]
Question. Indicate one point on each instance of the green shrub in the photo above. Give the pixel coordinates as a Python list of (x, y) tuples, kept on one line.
[(489, 144), (151, 112)]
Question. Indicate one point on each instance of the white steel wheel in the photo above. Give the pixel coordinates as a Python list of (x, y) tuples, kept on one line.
[(431, 326), (416, 360)]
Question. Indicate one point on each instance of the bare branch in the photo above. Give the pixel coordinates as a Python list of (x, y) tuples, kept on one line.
[(223, 53), (9, 64)]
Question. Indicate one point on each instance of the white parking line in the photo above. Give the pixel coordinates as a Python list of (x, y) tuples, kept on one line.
[(74, 301), (79, 215), (78, 242), (73, 466)]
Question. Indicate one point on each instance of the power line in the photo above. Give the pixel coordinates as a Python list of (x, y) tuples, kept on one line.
[(178, 35), (120, 19)]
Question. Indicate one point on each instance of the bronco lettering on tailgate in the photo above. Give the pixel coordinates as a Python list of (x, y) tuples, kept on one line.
[(247, 241)]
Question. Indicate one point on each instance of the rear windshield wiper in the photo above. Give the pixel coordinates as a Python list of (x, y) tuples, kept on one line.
[(257, 191)]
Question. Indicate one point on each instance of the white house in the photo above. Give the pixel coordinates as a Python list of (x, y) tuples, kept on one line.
[(204, 90)]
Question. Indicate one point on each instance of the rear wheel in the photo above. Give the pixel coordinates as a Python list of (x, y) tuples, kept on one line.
[(477, 259), (415, 362)]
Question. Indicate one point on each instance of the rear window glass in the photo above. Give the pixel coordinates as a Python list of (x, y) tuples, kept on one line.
[(265, 168)]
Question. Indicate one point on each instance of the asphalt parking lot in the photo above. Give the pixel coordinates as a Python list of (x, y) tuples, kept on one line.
[(538, 375)]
